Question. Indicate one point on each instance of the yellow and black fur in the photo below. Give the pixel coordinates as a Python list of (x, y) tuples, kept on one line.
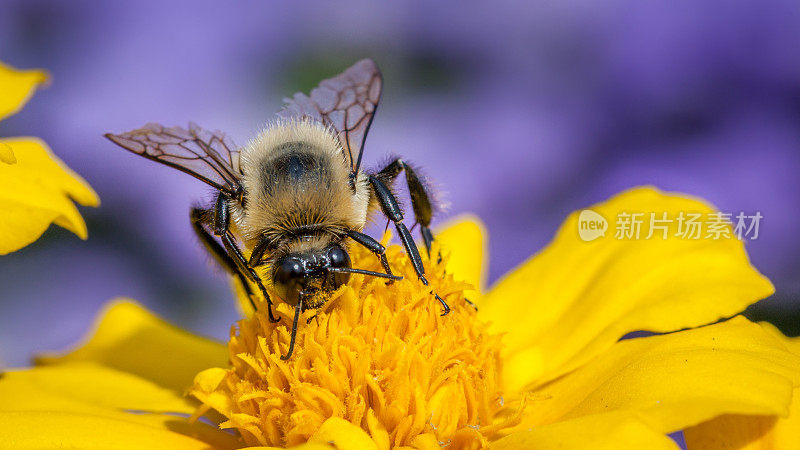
[(296, 190)]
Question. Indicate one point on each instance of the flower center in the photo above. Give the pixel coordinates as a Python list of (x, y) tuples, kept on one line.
[(377, 355)]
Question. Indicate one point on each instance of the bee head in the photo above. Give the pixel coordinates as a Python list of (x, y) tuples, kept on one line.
[(310, 273)]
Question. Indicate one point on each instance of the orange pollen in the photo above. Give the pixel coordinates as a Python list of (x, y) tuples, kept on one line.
[(379, 356)]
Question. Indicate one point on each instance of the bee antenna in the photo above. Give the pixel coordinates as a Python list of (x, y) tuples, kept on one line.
[(365, 272)]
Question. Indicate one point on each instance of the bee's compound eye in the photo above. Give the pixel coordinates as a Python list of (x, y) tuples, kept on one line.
[(287, 270), (338, 258), (286, 278)]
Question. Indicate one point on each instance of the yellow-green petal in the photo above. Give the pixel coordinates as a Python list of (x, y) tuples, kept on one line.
[(608, 431), (464, 239), (57, 429), (751, 432), (37, 190), (578, 298), (677, 380), (17, 87), (130, 339)]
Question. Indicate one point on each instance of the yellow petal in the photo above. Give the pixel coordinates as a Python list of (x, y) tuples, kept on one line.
[(21, 224), (739, 432), (574, 299), (793, 344), (17, 87), (7, 154), (207, 390), (130, 339), (296, 447), (342, 435), (52, 398), (73, 386), (749, 431), (335, 433), (464, 239), (56, 429), (677, 380), (38, 189), (609, 431)]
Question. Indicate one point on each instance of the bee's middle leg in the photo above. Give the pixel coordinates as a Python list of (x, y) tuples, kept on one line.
[(420, 196), (392, 210), (420, 200)]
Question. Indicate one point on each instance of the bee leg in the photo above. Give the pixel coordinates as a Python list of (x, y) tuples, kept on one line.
[(230, 245), (298, 309), (392, 210), (420, 197), (221, 222), (427, 238), (375, 247), (216, 250), (420, 202)]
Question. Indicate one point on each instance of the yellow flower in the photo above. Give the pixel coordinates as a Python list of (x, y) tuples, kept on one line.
[(540, 365), (378, 356), (36, 188)]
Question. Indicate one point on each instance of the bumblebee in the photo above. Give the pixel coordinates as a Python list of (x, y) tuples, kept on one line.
[(296, 195)]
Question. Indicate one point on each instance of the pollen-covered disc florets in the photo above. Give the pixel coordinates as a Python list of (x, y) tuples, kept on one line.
[(378, 356)]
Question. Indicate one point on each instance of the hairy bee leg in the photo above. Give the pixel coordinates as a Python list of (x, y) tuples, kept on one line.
[(217, 251), (392, 210), (373, 246), (298, 309), (420, 202), (221, 222), (420, 197)]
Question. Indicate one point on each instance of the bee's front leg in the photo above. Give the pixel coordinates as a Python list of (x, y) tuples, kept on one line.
[(373, 246), (221, 228)]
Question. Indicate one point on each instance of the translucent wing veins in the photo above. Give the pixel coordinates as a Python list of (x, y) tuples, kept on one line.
[(346, 102), (210, 157)]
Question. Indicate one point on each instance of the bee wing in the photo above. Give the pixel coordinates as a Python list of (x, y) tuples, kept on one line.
[(346, 102), (207, 156)]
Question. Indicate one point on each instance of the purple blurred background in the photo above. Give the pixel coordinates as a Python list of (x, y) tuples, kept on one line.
[(521, 113)]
